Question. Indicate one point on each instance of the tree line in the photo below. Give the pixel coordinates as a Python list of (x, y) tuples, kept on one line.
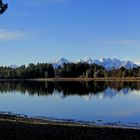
[(70, 70), (40, 70)]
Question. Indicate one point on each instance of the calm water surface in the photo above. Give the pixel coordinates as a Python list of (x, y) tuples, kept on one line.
[(81, 101)]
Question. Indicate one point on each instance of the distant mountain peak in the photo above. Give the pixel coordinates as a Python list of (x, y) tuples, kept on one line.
[(107, 63), (14, 66), (60, 62), (62, 59)]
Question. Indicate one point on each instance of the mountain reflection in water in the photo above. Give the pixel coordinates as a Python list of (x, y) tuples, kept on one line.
[(63, 89)]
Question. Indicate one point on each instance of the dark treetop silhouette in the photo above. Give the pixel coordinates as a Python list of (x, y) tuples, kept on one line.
[(3, 7)]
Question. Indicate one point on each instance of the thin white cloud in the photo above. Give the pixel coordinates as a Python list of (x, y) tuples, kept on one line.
[(6, 35)]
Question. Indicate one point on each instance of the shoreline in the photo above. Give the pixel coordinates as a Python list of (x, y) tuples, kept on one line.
[(67, 122), (125, 79), (21, 127), (89, 79)]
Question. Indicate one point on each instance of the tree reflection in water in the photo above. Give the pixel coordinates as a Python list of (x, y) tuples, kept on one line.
[(109, 89)]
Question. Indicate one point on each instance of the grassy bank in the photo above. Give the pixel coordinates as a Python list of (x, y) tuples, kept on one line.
[(22, 128), (125, 79)]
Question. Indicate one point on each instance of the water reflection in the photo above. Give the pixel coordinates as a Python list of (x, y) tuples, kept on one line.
[(84, 101), (87, 89)]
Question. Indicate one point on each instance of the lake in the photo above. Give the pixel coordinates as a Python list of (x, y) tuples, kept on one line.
[(92, 102)]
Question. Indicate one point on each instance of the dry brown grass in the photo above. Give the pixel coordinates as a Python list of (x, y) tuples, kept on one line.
[(126, 79)]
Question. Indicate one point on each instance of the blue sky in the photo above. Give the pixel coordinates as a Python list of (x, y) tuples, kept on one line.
[(45, 30)]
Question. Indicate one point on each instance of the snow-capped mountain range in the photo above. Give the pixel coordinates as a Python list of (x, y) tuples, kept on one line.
[(13, 66), (107, 63)]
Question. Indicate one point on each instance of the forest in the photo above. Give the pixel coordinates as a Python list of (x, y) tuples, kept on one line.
[(70, 70)]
